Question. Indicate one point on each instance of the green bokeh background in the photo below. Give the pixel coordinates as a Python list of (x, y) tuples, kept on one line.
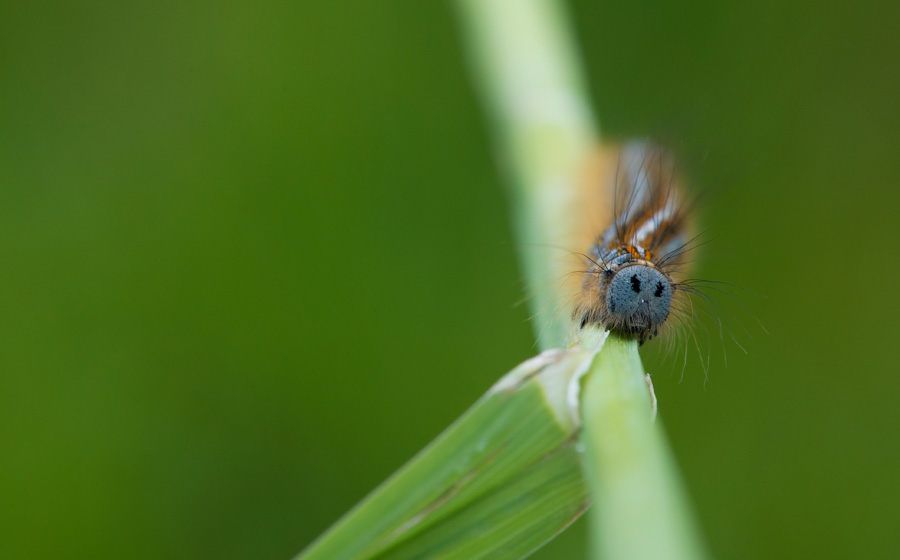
[(256, 255)]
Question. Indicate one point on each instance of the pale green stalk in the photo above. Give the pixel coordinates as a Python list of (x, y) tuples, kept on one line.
[(640, 509), (530, 78)]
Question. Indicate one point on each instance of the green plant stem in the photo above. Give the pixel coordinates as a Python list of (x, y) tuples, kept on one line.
[(640, 509), (530, 77)]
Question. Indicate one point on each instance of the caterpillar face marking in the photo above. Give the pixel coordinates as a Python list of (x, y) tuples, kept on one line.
[(630, 282), (640, 297)]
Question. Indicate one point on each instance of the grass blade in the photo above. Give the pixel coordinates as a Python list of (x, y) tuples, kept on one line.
[(641, 510), (499, 482)]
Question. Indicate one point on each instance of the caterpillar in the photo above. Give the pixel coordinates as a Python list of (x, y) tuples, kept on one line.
[(635, 267)]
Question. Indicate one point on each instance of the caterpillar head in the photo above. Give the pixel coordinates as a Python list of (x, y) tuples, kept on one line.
[(638, 300)]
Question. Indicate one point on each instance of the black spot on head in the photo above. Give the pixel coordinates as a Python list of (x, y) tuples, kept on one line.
[(659, 289), (635, 284)]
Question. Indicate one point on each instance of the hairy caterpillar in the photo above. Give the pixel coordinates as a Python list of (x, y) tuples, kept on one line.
[(634, 273)]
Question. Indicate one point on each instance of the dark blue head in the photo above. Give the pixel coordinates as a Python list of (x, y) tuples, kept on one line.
[(638, 300)]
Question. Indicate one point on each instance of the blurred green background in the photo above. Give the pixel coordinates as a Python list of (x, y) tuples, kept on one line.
[(256, 255)]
